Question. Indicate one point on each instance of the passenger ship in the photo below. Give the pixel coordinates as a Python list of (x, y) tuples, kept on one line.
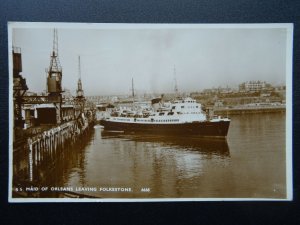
[(184, 116)]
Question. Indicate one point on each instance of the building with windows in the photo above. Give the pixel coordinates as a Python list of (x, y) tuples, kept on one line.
[(253, 86)]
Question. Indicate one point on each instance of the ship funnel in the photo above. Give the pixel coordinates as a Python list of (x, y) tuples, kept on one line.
[(156, 103)]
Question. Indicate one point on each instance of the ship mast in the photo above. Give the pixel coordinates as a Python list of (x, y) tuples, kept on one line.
[(132, 90), (132, 86), (176, 87)]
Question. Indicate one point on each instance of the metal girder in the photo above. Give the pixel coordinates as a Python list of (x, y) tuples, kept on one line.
[(40, 99), (46, 99)]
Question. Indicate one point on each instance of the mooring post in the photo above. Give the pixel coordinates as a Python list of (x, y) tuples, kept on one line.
[(59, 138), (30, 159), (43, 147), (52, 144), (46, 145), (38, 151), (55, 142), (49, 144), (34, 152)]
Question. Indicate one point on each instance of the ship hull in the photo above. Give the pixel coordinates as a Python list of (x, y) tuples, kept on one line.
[(207, 129)]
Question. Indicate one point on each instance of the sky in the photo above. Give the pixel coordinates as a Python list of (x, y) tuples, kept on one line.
[(203, 56)]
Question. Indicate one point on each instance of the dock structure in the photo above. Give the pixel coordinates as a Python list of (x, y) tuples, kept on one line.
[(45, 126), (249, 110), (42, 154), (44, 148), (19, 88)]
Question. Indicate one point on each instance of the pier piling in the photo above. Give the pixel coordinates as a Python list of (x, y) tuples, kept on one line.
[(44, 148)]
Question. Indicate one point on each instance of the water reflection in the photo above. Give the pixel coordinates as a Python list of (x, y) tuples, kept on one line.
[(174, 166), (208, 146), (71, 164), (170, 165)]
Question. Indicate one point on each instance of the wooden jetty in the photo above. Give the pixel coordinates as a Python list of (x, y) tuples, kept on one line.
[(35, 159)]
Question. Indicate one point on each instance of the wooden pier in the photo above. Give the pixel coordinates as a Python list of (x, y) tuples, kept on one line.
[(44, 147), (37, 157)]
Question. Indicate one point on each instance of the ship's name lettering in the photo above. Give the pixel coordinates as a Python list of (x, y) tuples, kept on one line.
[(61, 189), (31, 188)]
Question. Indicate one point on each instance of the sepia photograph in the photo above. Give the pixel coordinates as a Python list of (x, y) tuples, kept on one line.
[(150, 112)]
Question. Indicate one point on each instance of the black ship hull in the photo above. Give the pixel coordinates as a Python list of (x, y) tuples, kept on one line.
[(205, 129)]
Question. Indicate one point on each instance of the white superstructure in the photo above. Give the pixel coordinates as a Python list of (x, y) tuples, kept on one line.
[(179, 111)]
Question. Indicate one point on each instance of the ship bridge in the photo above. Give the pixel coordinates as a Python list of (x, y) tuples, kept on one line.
[(187, 106)]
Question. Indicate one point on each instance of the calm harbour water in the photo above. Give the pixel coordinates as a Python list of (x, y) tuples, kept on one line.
[(250, 164)]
